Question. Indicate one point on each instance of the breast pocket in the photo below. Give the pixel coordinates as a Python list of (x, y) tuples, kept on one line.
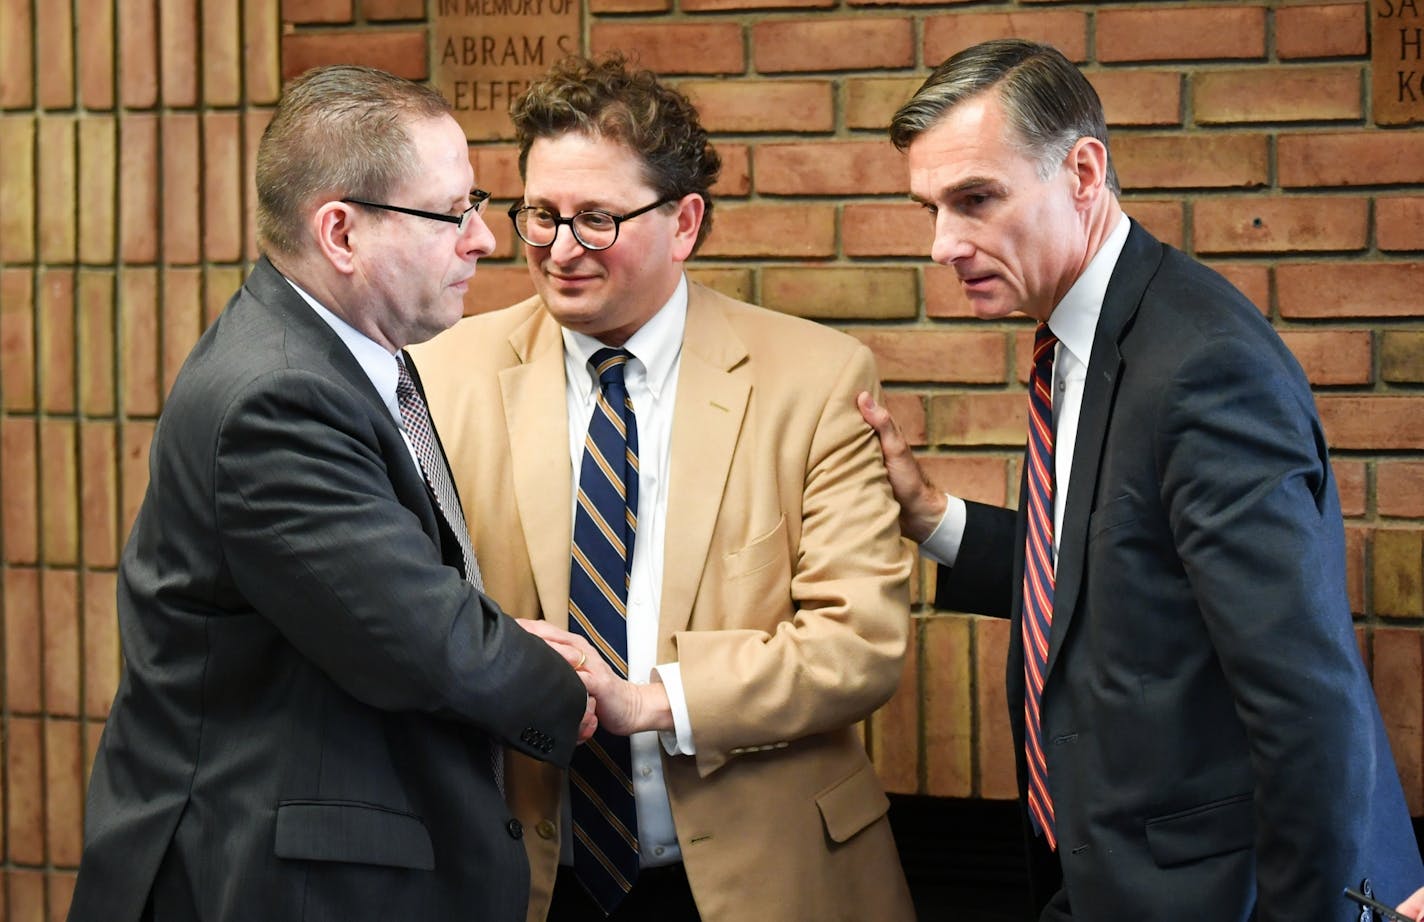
[(758, 577)]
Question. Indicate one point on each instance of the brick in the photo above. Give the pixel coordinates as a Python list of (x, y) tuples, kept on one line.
[(1356, 158), (1399, 222), (1164, 218), (182, 190), (57, 181), (1355, 541), (630, 6), (64, 791), (1253, 281), (895, 728), (182, 319), (138, 188), (101, 643), (1399, 488), (17, 339), (795, 231), (1277, 94), (98, 189), (1332, 357), (1139, 97), (1399, 689), (949, 718), (399, 51), (135, 437), (871, 102), (838, 168), (220, 283), (17, 189), (674, 47), (93, 732), (96, 56), (222, 56), (1351, 479), (1398, 560), (59, 496), (309, 11), (1374, 422), (832, 43), (497, 287), (138, 328), (1181, 33), (138, 53), (95, 299), (908, 410), (24, 774), (981, 478), (1280, 224), (497, 171), (841, 293), (261, 67), (19, 490), (254, 122), (99, 501), (736, 176), (17, 55), (745, 106), (944, 296), (60, 589), (60, 887), (222, 189), (995, 741), (54, 37), (392, 10), (886, 229), (734, 283), (1186, 161), (25, 895), (178, 32), (1321, 290), (1023, 354), (56, 316), (975, 418), (1065, 30), (1327, 30), (1402, 356), (23, 681), (937, 355), (711, 6)]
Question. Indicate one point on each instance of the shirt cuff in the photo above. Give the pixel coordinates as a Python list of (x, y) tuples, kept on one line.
[(678, 740), (942, 546)]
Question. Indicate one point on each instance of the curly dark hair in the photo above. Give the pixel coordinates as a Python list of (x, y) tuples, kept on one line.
[(604, 98)]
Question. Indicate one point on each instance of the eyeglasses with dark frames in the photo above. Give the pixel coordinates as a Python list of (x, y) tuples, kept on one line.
[(593, 229), (478, 198)]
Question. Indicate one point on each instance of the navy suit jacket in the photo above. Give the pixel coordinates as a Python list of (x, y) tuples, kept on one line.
[(311, 689), (1214, 748)]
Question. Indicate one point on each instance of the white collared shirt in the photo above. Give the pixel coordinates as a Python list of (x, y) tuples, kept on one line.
[(1074, 321), (651, 378)]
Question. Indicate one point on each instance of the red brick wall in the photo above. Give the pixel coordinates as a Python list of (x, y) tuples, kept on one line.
[(1243, 132)]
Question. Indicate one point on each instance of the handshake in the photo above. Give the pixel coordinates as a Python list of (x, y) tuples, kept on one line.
[(617, 705)]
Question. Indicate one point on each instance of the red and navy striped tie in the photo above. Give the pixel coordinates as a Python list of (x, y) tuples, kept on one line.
[(605, 522), (1038, 574)]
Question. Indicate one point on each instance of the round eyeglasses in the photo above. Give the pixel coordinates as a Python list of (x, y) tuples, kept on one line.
[(478, 199), (594, 230)]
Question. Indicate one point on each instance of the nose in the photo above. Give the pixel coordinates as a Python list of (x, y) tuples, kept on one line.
[(950, 244), (565, 247), (477, 240)]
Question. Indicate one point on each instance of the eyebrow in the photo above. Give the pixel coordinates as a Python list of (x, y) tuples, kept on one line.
[(964, 185)]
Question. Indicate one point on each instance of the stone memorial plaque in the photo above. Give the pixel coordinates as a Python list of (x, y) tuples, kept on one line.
[(1397, 53), (487, 51)]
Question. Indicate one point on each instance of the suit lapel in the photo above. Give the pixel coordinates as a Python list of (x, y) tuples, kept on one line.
[(712, 390), (536, 418), (1135, 268)]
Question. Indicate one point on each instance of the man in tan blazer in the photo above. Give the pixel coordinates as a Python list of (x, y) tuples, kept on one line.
[(766, 587)]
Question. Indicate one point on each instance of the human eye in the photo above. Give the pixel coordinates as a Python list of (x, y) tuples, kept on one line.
[(542, 217), (596, 220)]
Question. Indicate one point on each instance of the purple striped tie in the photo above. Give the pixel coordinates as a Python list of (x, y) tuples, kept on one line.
[(1038, 574)]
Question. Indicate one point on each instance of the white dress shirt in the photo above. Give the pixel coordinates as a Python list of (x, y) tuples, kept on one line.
[(1074, 321), (651, 379)]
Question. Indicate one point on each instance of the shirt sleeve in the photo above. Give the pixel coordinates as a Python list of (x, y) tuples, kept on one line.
[(942, 546)]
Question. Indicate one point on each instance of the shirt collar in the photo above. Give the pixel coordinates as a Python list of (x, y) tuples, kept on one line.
[(654, 347), (1075, 319), (378, 364)]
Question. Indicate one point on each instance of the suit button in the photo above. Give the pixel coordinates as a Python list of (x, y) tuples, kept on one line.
[(546, 829), (516, 829)]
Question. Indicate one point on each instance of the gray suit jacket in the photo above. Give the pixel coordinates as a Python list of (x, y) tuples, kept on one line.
[(1214, 749), (311, 689)]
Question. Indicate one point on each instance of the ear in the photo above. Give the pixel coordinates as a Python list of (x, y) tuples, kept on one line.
[(1087, 162), (334, 232), (689, 220)]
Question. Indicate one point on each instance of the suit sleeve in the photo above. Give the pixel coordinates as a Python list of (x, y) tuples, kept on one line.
[(981, 581), (318, 542), (840, 654), (1255, 517)]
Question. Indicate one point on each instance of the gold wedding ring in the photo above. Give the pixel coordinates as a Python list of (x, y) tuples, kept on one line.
[(583, 658)]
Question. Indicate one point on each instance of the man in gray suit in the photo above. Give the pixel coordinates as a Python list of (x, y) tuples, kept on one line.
[(316, 693)]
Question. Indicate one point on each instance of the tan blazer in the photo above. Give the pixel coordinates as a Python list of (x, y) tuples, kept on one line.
[(785, 592)]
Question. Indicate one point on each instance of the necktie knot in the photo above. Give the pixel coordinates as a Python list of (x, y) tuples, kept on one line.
[(608, 365), (1043, 343)]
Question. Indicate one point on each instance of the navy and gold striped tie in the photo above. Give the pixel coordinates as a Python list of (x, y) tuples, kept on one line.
[(605, 522), (1039, 575)]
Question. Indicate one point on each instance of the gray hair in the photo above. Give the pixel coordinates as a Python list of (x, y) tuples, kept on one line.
[(1047, 101)]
